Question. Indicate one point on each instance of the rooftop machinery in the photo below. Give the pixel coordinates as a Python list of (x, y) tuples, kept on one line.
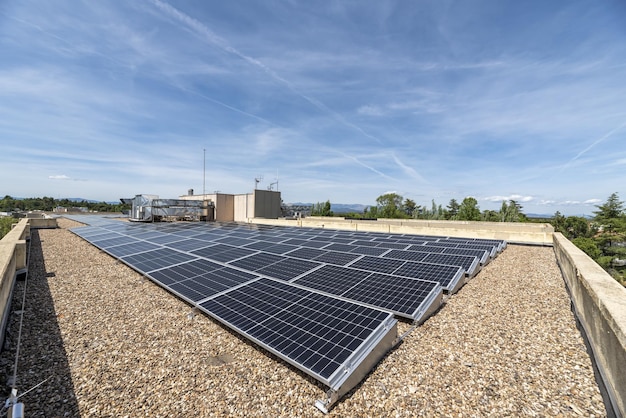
[(150, 208)]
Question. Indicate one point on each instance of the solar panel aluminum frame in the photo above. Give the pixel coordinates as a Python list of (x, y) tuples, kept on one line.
[(360, 363), (456, 283)]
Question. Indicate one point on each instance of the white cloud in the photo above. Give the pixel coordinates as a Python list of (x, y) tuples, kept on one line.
[(516, 197), (370, 110), (64, 177)]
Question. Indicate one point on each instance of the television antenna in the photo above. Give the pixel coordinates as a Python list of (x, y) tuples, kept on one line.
[(270, 187), (257, 180)]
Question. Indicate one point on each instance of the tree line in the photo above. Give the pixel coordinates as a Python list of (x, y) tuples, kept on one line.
[(394, 206), (47, 204)]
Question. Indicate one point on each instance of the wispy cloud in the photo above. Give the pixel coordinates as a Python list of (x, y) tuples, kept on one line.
[(227, 47), (515, 197), (64, 177), (410, 171), (593, 144)]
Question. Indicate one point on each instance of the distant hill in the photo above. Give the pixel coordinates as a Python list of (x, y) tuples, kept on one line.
[(347, 207), (539, 215)]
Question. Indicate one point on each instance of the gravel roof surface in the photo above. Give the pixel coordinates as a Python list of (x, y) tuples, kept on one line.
[(112, 343)]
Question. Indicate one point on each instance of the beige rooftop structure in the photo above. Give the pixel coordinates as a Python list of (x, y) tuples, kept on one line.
[(241, 207), (102, 340)]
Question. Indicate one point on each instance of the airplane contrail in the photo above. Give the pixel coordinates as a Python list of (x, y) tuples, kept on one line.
[(593, 144), (220, 42)]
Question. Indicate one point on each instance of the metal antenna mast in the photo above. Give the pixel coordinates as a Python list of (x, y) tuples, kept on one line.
[(204, 173)]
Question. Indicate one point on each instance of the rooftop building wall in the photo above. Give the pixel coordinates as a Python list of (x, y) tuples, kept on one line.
[(242, 207)]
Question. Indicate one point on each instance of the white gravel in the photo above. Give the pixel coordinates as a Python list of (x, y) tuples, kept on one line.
[(112, 343)]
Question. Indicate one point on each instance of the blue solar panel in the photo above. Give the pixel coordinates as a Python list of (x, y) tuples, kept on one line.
[(257, 261), (288, 269), (316, 332), (156, 259), (200, 279), (406, 297), (334, 257)]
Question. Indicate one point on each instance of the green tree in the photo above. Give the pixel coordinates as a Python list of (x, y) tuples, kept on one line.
[(589, 246), (5, 225), (490, 216), (326, 209), (371, 212), (321, 209), (611, 209), (409, 207), (469, 210), (452, 209), (389, 206), (558, 222), (7, 204), (577, 227), (511, 212)]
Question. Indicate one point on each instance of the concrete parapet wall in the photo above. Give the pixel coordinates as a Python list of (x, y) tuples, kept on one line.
[(13, 259), (514, 232), (43, 223), (600, 304)]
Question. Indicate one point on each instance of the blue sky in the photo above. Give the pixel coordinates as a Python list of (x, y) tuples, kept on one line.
[(338, 100)]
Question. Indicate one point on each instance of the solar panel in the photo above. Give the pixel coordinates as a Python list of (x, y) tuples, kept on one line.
[(368, 250), (396, 294), (334, 257), (236, 241), (156, 259), (288, 269), (366, 243), (469, 263), (113, 242), (306, 253), (482, 255), (210, 251), (449, 277), (381, 265), (406, 255), (406, 297), (104, 236), (314, 244), (199, 279), (230, 254), (325, 337), (280, 248), (333, 279), (393, 245), (131, 248), (189, 244), (339, 247), (257, 261)]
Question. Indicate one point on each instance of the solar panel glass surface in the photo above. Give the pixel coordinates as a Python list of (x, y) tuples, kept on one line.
[(309, 329)]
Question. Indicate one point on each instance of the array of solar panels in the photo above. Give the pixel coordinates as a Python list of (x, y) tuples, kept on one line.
[(318, 298)]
